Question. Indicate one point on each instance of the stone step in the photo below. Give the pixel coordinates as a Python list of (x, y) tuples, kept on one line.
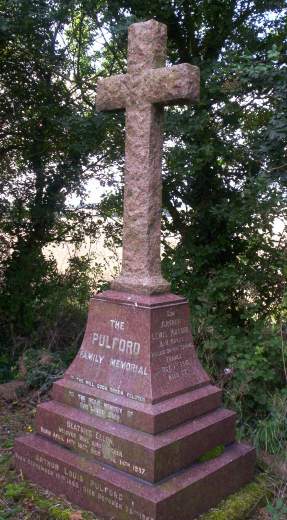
[(113, 494), (150, 418), (150, 457)]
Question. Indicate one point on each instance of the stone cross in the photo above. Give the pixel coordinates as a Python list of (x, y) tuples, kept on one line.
[(143, 92)]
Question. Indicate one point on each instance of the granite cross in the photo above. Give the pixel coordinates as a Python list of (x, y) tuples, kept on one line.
[(143, 92)]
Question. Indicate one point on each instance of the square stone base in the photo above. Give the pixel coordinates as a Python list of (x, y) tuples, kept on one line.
[(114, 495), (132, 416)]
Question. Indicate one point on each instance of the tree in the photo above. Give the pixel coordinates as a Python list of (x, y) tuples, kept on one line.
[(49, 134), (222, 191)]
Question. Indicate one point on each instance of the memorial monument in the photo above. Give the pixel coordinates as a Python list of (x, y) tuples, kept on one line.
[(135, 411)]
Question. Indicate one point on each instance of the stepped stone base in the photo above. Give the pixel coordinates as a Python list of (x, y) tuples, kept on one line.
[(116, 496), (132, 417), (146, 417), (152, 457)]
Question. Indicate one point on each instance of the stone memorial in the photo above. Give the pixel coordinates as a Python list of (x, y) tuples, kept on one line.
[(135, 411)]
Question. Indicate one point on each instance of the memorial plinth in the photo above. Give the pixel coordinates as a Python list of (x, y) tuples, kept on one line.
[(133, 415), (135, 411)]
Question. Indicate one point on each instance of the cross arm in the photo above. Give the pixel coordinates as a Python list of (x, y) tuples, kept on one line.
[(112, 93), (175, 85)]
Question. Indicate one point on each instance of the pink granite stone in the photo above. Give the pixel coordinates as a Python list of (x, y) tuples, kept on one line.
[(139, 347), (93, 457), (143, 92), (113, 495), (141, 416), (150, 457)]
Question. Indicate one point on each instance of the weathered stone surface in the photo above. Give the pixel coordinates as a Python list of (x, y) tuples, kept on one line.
[(114, 495), (141, 416), (146, 46), (138, 347), (178, 84), (143, 92), (150, 457)]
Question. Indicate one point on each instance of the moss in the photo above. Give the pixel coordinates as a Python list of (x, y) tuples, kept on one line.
[(59, 514), (15, 491), (22, 490), (56, 512), (239, 505), (41, 503), (8, 443), (5, 462), (211, 454)]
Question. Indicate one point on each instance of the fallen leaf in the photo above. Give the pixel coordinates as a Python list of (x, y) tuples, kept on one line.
[(77, 515)]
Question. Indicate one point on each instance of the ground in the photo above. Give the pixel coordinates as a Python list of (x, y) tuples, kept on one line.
[(21, 500)]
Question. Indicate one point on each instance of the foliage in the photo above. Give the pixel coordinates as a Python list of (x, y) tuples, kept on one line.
[(277, 511), (42, 368), (15, 492), (248, 364), (49, 134), (225, 163), (271, 432), (53, 318), (224, 180)]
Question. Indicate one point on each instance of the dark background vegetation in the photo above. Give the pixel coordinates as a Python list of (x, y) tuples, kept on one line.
[(225, 164)]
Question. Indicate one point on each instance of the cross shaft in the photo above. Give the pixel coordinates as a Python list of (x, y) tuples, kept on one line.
[(143, 92)]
